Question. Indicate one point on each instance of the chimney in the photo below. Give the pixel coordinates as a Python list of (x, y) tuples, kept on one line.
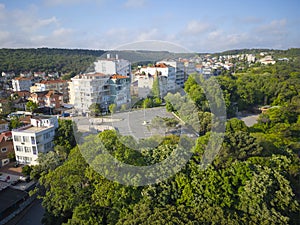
[(117, 57), (108, 56)]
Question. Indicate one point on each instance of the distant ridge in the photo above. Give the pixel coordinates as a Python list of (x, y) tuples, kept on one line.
[(78, 60)]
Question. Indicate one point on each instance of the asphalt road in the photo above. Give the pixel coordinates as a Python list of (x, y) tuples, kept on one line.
[(32, 215), (135, 123)]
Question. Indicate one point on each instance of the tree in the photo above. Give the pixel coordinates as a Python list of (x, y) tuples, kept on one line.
[(112, 108), (64, 138), (123, 107), (169, 107), (26, 170), (14, 122), (155, 87), (95, 109), (31, 106), (148, 103)]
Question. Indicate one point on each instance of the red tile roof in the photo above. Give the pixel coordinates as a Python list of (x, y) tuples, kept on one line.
[(5, 135), (52, 81), (117, 76), (22, 78)]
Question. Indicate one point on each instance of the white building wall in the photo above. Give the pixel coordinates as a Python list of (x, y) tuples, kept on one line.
[(179, 70), (168, 72), (89, 89), (21, 84), (27, 145), (113, 66)]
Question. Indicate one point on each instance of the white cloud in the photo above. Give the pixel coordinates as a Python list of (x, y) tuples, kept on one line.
[(46, 22), (135, 3), (196, 27), (150, 34), (62, 32), (273, 28)]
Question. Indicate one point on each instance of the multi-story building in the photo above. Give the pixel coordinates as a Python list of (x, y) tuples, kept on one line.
[(90, 88), (6, 147), (60, 86), (71, 93), (120, 89), (179, 70), (113, 66), (145, 84), (21, 84), (32, 139), (189, 68), (162, 69), (51, 99)]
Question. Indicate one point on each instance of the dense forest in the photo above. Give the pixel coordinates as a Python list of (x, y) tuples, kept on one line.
[(70, 60), (47, 60), (253, 180)]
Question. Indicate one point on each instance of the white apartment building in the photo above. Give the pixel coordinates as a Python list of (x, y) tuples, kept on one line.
[(32, 139), (60, 86), (90, 88), (179, 70), (189, 68), (120, 89), (21, 84), (113, 66), (71, 93), (162, 69), (145, 84)]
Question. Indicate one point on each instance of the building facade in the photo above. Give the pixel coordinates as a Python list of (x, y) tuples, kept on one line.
[(161, 69), (6, 147), (145, 84), (89, 89), (52, 99), (60, 86), (32, 139), (120, 89), (21, 84), (179, 70), (113, 66)]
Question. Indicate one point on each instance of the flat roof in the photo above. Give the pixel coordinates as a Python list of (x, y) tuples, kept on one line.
[(32, 129)]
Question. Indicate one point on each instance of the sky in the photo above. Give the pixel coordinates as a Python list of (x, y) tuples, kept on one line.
[(193, 25)]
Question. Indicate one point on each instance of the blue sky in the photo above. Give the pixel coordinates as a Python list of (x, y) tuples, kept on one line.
[(200, 26)]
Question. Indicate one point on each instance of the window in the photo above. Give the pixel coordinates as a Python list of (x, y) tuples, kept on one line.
[(48, 145), (34, 150), (3, 149), (25, 139), (17, 138), (19, 148), (47, 135), (33, 140), (27, 149), (27, 159)]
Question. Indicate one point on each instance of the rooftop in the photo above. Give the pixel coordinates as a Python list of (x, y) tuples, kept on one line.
[(90, 76), (31, 129), (117, 76), (22, 78), (52, 81)]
